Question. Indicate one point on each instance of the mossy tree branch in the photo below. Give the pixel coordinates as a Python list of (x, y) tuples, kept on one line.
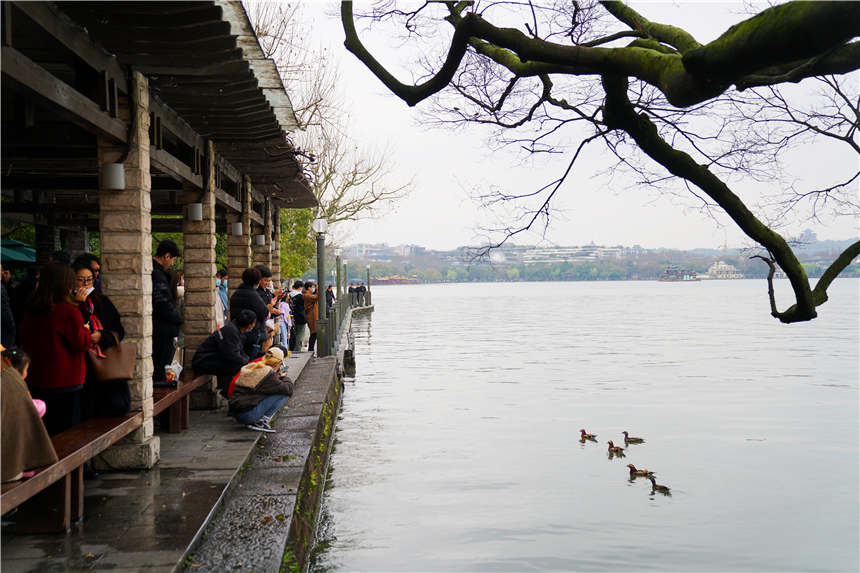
[(774, 37), (619, 113)]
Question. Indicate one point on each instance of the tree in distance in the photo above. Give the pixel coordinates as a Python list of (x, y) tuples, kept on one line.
[(670, 109), (351, 179)]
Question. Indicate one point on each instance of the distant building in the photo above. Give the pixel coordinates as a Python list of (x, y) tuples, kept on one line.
[(721, 270), (586, 253)]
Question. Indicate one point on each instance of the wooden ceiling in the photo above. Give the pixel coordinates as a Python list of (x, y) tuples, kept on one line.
[(208, 80)]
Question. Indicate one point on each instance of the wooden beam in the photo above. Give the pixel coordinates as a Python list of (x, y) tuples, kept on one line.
[(228, 202), (31, 80), (175, 168), (75, 40), (38, 208), (175, 124)]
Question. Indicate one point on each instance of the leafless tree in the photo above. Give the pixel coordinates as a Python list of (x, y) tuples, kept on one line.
[(351, 179), (681, 116)]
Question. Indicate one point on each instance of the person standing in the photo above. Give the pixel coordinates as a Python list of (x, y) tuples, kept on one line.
[(166, 320), (221, 288), (56, 339), (177, 291), (311, 300), (329, 297), (246, 297), (10, 283), (102, 399), (297, 303), (7, 320), (361, 290), (95, 264), (18, 299)]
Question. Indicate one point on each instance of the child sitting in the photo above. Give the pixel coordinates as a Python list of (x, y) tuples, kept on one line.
[(25, 441)]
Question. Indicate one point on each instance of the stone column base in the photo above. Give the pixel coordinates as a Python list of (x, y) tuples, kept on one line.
[(206, 397), (129, 456), (208, 400)]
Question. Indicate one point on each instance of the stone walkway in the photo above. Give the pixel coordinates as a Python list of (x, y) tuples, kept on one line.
[(152, 520)]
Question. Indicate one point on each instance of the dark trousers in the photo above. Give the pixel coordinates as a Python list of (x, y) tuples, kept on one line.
[(63, 409), (292, 338), (104, 399), (216, 367), (162, 355), (312, 341)]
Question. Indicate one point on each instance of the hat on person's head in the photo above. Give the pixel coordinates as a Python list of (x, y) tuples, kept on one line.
[(275, 353)]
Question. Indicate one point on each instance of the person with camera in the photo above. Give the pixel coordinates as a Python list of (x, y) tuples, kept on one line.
[(311, 300)]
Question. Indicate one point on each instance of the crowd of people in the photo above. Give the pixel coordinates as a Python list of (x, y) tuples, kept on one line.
[(56, 315)]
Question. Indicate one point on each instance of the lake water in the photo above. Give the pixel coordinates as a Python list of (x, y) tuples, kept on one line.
[(457, 447)]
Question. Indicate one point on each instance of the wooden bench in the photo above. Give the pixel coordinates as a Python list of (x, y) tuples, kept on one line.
[(177, 400), (54, 498), (51, 500)]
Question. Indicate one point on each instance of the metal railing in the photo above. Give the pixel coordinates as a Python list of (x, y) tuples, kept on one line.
[(336, 320)]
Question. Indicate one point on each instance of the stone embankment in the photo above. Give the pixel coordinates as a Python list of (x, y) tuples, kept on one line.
[(267, 523), (222, 497)]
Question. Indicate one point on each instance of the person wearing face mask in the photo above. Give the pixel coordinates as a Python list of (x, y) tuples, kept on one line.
[(260, 390), (222, 352), (100, 399)]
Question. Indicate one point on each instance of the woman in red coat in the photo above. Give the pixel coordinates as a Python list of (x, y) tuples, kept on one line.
[(56, 340)]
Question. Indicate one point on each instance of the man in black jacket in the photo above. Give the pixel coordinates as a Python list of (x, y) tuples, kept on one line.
[(300, 319), (246, 297), (166, 320), (222, 352)]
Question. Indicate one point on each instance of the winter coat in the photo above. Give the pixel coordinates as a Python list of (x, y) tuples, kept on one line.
[(7, 321), (56, 344), (312, 310), (297, 302), (26, 445), (223, 345), (166, 320), (254, 384), (246, 297)]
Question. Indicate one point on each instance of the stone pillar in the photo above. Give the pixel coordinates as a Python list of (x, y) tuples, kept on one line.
[(79, 242), (47, 241), (200, 295), (263, 253), (276, 246), (125, 226), (239, 246)]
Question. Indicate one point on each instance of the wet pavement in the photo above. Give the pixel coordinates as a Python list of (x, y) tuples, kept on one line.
[(154, 520)]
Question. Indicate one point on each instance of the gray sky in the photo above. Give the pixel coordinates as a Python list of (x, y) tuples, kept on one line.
[(440, 215)]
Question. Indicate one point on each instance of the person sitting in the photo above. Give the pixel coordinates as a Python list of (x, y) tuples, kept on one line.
[(222, 352), (26, 445), (260, 390)]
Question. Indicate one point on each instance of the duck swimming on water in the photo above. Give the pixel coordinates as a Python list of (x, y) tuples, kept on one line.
[(657, 487), (630, 439), (635, 472), (586, 436), (613, 448)]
